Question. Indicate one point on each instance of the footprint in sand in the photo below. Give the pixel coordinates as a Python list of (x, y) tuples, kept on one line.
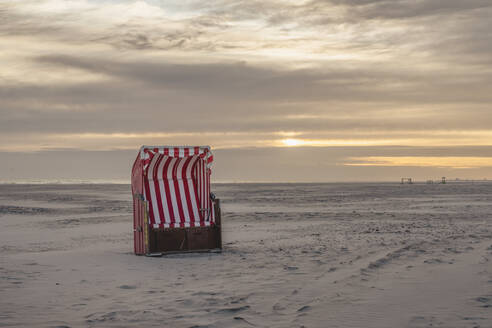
[(433, 261), (243, 320), (421, 321), (127, 287), (305, 308), (232, 310), (485, 302)]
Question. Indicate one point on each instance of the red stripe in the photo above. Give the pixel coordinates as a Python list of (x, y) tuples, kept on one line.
[(187, 191), (176, 152), (147, 161), (197, 150), (141, 222), (166, 187), (176, 189), (186, 152), (200, 184), (196, 185), (152, 214), (147, 192), (166, 151), (157, 187), (210, 159), (135, 217), (197, 179)]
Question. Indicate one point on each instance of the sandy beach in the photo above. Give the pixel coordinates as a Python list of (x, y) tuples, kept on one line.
[(295, 255)]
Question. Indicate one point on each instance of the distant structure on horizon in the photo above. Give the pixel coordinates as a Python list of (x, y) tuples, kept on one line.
[(442, 181), (406, 180)]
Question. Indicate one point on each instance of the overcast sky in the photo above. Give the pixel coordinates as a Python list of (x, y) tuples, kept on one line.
[(339, 90)]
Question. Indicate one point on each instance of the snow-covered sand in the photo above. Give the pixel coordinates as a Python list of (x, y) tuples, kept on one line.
[(313, 255)]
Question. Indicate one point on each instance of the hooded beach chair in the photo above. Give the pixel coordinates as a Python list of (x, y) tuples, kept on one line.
[(173, 208)]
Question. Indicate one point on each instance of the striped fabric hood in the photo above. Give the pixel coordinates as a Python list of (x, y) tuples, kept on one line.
[(177, 185)]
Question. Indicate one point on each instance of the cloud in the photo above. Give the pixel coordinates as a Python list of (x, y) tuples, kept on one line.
[(139, 95), (403, 9), (237, 74), (338, 82)]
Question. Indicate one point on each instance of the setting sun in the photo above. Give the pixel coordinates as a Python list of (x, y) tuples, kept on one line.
[(292, 142)]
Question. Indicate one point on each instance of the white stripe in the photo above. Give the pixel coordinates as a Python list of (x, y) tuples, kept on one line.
[(194, 204), (177, 225), (171, 189), (202, 189), (179, 177), (160, 174), (181, 152), (153, 197), (197, 176), (145, 157), (202, 178), (207, 193)]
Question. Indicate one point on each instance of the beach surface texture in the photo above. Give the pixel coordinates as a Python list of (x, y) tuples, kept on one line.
[(295, 255)]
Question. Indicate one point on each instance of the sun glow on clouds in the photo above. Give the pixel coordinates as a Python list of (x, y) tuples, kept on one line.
[(464, 162), (331, 142), (238, 139)]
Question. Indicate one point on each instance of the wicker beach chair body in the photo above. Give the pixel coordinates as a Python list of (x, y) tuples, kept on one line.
[(173, 210)]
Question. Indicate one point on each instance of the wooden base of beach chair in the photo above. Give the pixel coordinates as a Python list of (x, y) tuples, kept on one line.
[(160, 254), (163, 241), (176, 240)]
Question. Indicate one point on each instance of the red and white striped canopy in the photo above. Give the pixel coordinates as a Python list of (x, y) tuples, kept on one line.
[(177, 186)]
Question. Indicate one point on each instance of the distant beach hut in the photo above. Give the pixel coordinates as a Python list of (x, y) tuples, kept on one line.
[(173, 208)]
